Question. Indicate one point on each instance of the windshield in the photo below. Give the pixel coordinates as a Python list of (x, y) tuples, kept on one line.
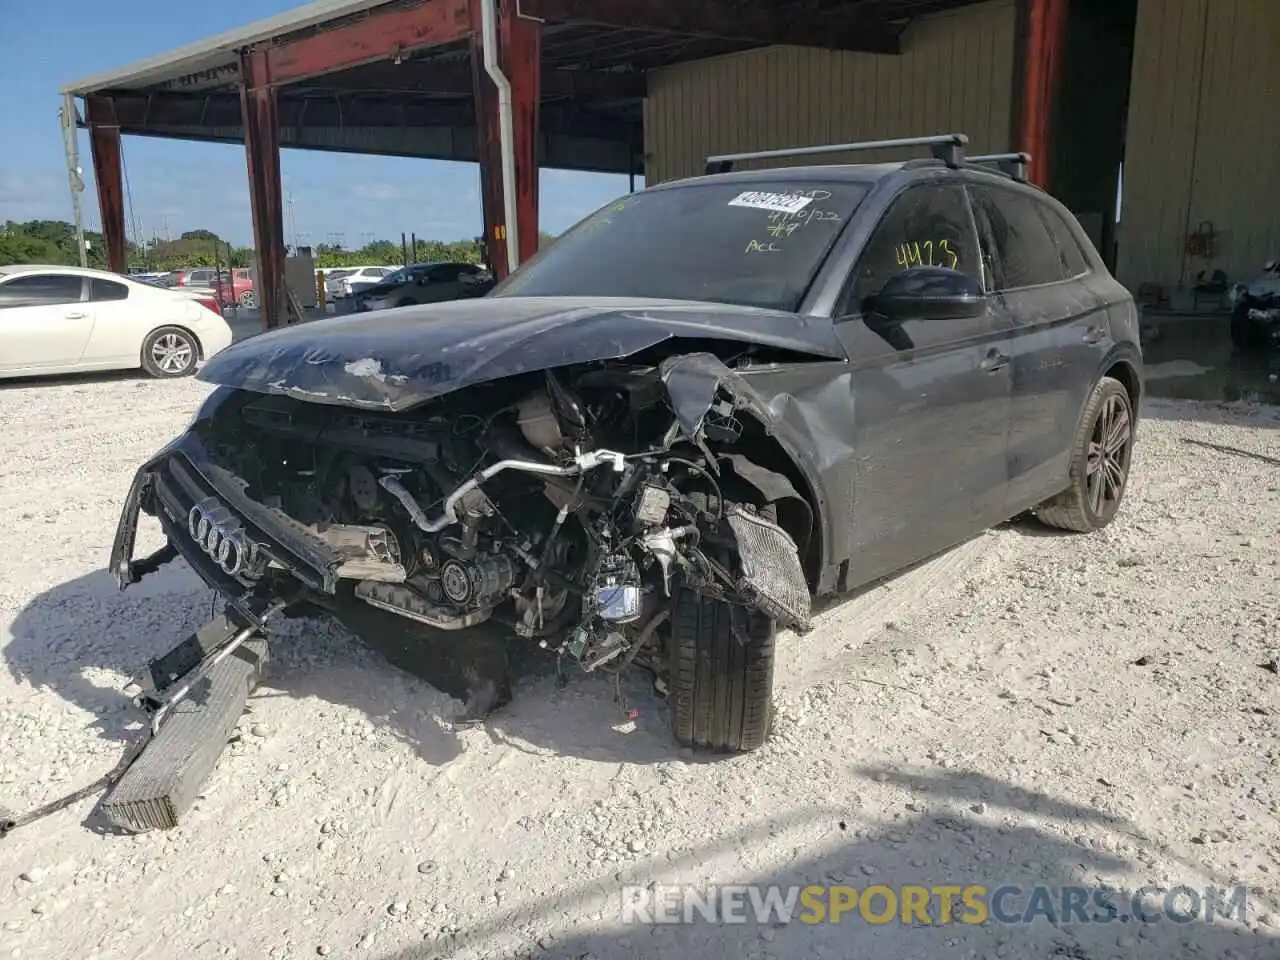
[(757, 245)]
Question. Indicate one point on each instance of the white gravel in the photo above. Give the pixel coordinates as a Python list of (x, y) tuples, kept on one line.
[(1029, 708)]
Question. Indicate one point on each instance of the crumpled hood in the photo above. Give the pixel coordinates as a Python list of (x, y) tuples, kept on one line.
[(396, 359)]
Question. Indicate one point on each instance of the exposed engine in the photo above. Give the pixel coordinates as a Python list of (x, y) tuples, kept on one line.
[(569, 510)]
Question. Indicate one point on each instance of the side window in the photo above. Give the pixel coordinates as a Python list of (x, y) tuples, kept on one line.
[(1025, 252), (107, 290), (929, 225), (42, 288), (1074, 259)]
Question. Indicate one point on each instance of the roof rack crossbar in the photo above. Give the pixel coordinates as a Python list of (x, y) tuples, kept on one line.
[(948, 147), (1011, 164)]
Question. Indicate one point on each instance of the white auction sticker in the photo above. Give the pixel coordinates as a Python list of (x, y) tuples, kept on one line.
[(781, 202)]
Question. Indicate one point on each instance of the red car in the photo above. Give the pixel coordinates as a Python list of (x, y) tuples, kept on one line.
[(234, 287)]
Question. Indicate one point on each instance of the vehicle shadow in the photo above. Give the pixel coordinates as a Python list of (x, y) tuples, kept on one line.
[(83, 638), (965, 830), (72, 379)]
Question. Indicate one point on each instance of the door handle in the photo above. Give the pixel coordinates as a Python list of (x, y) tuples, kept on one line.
[(994, 360), (75, 315), (1094, 334)]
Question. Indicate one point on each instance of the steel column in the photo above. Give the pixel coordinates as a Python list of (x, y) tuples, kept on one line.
[(262, 155), (519, 56), (108, 174), (1038, 50)]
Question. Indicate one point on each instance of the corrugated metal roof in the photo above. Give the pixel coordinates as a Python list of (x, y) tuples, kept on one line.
[(218, 53)]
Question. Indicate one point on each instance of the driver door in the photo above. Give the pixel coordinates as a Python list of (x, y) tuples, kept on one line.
[(932, 396), (44, 322)]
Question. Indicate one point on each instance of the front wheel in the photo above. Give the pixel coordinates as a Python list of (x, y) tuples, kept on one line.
[(1100, 461), (249, 300), (169, 352), (721, 674)]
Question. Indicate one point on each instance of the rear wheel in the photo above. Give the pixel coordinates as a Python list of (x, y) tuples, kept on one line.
[(169, 352), (1099, 463), (721, 674), (249, 300)]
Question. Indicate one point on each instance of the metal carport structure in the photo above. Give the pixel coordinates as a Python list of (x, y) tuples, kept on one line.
[(410, 78)]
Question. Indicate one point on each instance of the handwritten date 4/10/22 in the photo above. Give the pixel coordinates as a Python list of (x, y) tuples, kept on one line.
[(785, 224), (927, 254)]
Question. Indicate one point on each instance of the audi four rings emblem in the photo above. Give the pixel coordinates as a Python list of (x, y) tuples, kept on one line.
[(217, 532)]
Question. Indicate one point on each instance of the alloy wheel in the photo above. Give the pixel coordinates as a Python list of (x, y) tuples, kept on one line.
[(173, 353), (1108, 462)]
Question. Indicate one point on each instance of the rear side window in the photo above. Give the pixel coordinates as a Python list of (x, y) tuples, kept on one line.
[(42, 288), (1074, 260), (1025, 253), (447, 273), (107, 290)]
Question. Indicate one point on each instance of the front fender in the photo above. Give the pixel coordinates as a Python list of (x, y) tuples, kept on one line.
[(797, 424)]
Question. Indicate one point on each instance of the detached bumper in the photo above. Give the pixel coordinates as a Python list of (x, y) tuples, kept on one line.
[(189, 494)]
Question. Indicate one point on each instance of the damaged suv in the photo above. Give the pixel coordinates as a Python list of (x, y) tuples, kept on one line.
[(657, 441)]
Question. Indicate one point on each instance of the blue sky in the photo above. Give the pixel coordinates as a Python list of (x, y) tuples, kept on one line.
[(178, 186)]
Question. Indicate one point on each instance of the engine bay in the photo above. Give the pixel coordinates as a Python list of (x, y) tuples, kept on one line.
[(567, 506)]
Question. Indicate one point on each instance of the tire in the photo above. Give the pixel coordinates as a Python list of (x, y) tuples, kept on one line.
[(1246, 335), (1099, 474), (249, 300), (169, 353), (720, 689)]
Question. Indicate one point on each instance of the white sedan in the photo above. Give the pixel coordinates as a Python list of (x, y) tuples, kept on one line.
[(68, 320)]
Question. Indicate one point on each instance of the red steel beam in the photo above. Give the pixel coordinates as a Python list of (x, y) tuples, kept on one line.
[(379, 36), (108, 175), (838, 30), (521, 46), (258, 108), (1038, 59)]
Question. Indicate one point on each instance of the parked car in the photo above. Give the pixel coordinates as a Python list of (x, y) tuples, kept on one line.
[(68, 320), (344, 281), (426, 283), (235, 288), (662, 437), (1255, 311), (193, 277)]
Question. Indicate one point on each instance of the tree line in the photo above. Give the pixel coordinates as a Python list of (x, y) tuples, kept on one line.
[(54, 241)]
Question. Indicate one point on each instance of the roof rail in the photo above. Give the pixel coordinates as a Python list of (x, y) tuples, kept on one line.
[(1010, 164), (947, 147)]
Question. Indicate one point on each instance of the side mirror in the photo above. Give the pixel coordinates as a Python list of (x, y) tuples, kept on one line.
[(930, 293)]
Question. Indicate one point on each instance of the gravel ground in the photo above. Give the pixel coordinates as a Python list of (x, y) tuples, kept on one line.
[(1029, 708)]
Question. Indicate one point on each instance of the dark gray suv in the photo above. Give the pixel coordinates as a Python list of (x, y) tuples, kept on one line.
[(657, 441)]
